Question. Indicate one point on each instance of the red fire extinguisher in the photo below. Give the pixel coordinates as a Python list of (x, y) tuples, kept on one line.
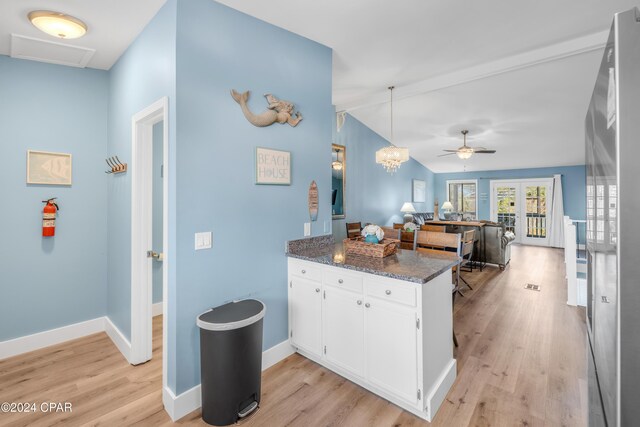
[(49, 217)]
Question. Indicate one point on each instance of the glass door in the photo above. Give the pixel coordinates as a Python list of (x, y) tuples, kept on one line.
[(506, 197), (522, 207), (535, 217)]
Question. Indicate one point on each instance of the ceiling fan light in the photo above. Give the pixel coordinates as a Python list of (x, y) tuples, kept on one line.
[(57, 24), (464, 153)]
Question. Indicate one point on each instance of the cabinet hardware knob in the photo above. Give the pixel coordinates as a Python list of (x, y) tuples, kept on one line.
[(388, 292), (304, 271), (367, 305), (317, 289), (359, 302), (340, 281)]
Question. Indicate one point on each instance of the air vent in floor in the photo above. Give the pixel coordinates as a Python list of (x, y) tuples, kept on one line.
[(532, 287)]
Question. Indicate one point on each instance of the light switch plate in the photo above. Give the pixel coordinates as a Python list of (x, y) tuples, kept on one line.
[(307, 229), (327, 226), (203, 240)]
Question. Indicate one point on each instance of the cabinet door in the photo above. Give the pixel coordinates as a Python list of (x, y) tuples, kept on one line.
[(305, 305), (344, 329), (391, 347)]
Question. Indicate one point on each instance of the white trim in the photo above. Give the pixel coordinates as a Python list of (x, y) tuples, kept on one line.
[(462, 181), (118, 338), (275, 354), (190, 400), (156, 309), (141, 239), (433, 398), (27, 343), (579, 45)]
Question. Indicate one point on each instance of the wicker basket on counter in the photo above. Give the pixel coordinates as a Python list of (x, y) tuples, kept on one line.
[(357, 246)]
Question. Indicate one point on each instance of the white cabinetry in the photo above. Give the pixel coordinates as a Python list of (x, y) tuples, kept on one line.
[(343, 329), (368, 328), (391, 348), (305, 314)]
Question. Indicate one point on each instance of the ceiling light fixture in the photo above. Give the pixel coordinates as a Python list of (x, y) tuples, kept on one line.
[(336, 164), (57, 24), (391, 157)]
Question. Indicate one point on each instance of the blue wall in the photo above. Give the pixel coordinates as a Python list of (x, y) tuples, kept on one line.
[(144, 74), (52, 282), (220, 49), (573, 186), (157, 210), (373, 195)]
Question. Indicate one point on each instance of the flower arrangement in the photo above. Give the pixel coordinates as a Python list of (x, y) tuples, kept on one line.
[(410, 227), (372, 233)]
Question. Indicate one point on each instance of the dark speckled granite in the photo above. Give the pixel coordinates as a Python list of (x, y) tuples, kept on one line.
[(406, 265), (309, 242)]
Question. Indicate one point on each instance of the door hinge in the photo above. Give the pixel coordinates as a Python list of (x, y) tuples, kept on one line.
[(325, 349), (418, 323), (419, 394), (291, 283), (324, 294)]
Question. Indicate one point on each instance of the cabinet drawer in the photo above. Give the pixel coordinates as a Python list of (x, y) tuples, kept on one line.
[(392, 292), (306, 270), (343, 281)]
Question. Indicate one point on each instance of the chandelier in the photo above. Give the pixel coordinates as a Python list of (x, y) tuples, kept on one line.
[(391, 157)]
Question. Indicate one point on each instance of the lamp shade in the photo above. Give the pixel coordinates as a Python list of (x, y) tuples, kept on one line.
[(407, 208), (447, 206)]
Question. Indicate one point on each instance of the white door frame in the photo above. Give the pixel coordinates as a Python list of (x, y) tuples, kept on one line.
[(141, 231), (522, 207)]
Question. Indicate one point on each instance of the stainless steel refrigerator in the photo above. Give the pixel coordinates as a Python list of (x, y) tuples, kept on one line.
[(612, 134)]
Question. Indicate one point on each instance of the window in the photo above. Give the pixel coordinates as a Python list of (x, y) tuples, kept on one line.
[(463, 197)]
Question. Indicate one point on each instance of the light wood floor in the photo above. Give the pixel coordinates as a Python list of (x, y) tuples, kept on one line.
[(521, 361)]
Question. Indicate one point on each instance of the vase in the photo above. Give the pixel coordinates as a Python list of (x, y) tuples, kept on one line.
[(371, 238)]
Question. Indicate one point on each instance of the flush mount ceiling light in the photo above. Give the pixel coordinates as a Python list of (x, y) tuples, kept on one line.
[(57, 24), (391, 157)]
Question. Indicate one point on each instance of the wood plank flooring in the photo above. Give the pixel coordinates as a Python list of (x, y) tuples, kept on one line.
[(521, 361)]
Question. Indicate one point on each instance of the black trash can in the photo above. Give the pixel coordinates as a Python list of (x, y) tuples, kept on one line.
[(231, 360)]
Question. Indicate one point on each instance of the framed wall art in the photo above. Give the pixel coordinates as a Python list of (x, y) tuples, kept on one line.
[(419, 191), (273, 167), (48, 168)]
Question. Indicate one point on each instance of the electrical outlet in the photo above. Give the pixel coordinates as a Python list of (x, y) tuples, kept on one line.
[(204, 240), (307, 229), (327, 227)]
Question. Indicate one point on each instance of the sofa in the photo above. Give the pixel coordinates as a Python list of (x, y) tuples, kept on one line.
[(420, 217), (497, 243)]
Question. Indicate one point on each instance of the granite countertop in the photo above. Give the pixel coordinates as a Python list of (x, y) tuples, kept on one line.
[(405, 265)]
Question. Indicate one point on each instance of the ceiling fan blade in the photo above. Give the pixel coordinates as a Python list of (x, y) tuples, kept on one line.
[(448, 154), (485, 151), (451, 151)]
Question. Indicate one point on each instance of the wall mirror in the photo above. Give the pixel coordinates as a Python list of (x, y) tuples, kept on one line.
[(338, 182)]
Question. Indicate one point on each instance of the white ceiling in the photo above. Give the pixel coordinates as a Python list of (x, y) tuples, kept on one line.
[(112, 24), (439, 53), (517, 74)]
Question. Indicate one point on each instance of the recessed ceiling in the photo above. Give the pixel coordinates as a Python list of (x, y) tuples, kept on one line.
[(112, 24), (532, 113)]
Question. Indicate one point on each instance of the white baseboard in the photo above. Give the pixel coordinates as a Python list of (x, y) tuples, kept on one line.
[(156, 309), (120, 341), (435, 396), (278, 352), (43, 339), (190, 400)]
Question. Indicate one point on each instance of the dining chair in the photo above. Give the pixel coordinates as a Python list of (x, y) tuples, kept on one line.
[(391, 233), (466, 253), (443, 244), (353, 229), (431, 227)]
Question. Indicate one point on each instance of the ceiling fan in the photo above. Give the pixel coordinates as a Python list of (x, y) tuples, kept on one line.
[(465, 152)]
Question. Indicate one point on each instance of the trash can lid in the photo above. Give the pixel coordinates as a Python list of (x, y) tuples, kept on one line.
[(233, 315)]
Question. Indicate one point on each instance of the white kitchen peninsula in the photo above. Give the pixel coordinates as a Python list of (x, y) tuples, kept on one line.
[(385, 324)]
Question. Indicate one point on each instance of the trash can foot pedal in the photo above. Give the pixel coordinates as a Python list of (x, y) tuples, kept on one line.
[(248, 409)]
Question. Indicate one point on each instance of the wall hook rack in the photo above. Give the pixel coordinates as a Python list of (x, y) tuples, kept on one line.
[(116, 165)]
